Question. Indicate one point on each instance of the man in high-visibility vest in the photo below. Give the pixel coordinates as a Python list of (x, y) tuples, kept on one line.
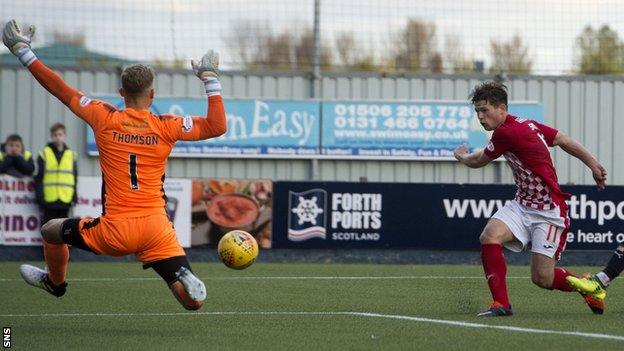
[(14, 160), (57, 175)]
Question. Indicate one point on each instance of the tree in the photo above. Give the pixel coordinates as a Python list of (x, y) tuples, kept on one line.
[(244, 41), (255, 47), (435, 63), (454, 55), (351, 56), (511, 56), (276, 52), (415, 47), (599, 52), (76, 39), (304, 49), (177, 63)]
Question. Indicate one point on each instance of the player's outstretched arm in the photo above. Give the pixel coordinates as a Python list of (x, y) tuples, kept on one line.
[(576, 149), (18, 43), (207, 70), (475, 159), (214, 124)]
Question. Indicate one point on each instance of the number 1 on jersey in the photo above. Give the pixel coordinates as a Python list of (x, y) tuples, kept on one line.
[(134, 179)]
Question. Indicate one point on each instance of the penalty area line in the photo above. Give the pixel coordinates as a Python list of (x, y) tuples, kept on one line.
[(461, 324)]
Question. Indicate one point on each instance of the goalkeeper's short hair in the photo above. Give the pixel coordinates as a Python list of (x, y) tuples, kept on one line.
[(136, 79)]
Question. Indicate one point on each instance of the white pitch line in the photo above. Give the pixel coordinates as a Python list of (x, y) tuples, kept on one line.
[(406, 277), (488, 326), (356, 314)]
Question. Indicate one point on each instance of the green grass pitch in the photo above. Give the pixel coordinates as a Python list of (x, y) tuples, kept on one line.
[(302, 307)]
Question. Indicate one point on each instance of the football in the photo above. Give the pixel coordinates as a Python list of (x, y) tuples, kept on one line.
[(237, 249)]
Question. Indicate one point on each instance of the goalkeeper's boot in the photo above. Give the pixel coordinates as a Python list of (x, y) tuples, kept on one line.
[(591, 289), (38, 278), (192, 285), (496, 309)]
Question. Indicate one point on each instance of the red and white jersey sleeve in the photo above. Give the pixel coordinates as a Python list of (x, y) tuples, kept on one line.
[(499, 143), (525, 145)]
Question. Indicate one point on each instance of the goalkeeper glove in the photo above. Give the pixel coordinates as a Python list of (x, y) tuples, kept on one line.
[(19, 43), (207, 69), (208, 66)]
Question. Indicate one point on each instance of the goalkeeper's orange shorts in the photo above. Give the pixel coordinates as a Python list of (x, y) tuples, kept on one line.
[(151, 238)]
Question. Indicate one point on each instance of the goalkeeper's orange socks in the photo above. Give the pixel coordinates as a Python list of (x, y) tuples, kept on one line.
[(495, 270), (57, 259)]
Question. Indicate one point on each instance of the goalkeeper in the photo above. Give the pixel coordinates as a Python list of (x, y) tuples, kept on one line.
[(134, 145)]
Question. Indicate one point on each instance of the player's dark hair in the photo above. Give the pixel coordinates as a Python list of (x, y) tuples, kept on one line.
[(14, 137), (493, 92), (136, 79), (57, 126)]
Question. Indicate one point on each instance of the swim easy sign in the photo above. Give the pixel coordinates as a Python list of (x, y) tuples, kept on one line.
[(256, 128), (266, 127), (384, 130), (433, 216)]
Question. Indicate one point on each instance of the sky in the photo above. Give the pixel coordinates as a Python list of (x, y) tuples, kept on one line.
[(146, 30)]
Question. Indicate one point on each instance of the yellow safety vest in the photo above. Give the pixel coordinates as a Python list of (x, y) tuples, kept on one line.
[(58, 179)]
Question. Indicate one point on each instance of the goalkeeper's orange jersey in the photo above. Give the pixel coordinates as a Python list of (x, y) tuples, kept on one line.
[(133, 144)]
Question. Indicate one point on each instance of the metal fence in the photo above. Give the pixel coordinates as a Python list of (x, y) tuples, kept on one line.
[(584, 107)]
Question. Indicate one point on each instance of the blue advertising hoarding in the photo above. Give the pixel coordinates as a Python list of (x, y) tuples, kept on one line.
[(428, 216), (256, 128), (423, 130), (406, 130)]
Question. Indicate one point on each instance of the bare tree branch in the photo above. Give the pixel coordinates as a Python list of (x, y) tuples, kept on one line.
[(511, 56)]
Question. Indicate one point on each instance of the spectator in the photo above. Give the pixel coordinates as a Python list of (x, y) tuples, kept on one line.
[(14, 160), (57, 176)]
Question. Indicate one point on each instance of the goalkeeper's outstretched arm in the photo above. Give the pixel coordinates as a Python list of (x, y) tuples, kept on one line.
[(18, 43), (214, 123), (207, 70)]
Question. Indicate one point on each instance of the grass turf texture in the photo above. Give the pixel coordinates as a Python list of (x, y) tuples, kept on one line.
[(142, 314)]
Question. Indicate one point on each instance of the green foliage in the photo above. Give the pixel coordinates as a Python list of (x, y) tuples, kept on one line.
[(599, 51), (510, 56), (351, 57), (455, 57), (415, 47)]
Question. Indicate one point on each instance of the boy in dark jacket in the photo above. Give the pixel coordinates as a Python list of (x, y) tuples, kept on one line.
[(14, 160)]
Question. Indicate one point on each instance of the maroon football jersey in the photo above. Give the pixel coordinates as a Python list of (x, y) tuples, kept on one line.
[(524, 143)]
